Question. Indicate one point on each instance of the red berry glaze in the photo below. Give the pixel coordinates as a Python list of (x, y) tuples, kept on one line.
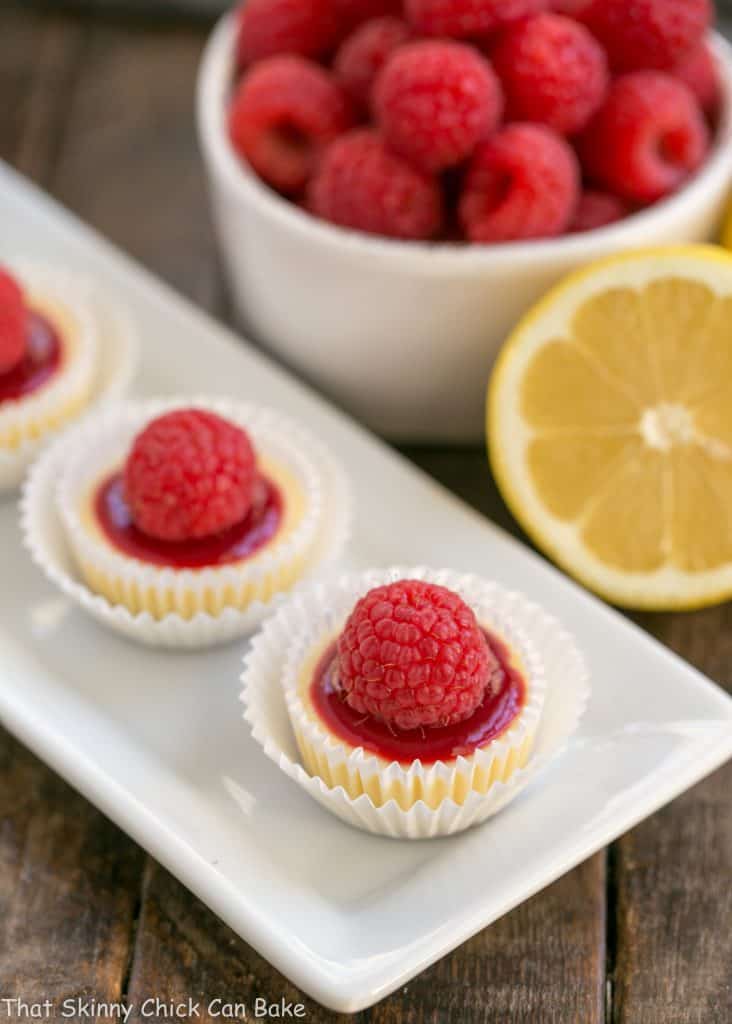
[(597, 210), (647, 139), (523, 183), (435, 101), (13, 317), (352, 13), (190, 474), (284, 112), (553, 72), (468, 19), (698, 71), (643, 34), (271, 27), (361, 184), (363, 55), (413, 655)]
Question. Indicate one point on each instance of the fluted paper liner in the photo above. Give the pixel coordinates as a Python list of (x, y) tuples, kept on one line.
[(206, 606), (419, 801), (104, 363)]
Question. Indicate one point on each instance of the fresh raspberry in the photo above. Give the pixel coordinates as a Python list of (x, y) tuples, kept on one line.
[(643, 34), (523, 183), (270, 27), (435, 101), (572, 8), (190, 474), (647, 139), (468, 19), (363, 55), (353, 13), (413, 655), (597, 210), (361, 184), (553, 71), (698, 71), (285, 110), (12, 322)]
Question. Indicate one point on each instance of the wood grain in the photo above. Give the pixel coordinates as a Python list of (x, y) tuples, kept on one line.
[(103, 115)]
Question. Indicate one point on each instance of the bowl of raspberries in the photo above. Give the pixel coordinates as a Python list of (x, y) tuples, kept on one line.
[(395, 182)]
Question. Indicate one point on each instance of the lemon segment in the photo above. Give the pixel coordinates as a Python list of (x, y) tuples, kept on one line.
[(610, 426)]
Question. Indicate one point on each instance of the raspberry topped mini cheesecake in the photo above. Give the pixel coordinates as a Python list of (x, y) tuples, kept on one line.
[(48, 355), (414, 696), (188, 509)]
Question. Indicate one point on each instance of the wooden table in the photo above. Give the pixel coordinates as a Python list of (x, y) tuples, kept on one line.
[(99, 111)]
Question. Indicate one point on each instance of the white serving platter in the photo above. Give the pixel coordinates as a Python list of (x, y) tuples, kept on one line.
[(156, 739)]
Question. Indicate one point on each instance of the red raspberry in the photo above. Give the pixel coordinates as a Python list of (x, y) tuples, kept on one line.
[(647, 139), (467, 19), (12, 322), (553, 71), (572, 8), (641, 34), (285, 110), (353, 12), (361, 184), (363, 55), (270, 27), (523, 183), (413, 655), (698, 71), (190, 474), (597, 210), (435, 101)]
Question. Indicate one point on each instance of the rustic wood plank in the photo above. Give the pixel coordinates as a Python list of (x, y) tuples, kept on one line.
[(544, 962), (673, 942), (69, 880), (69, 883), (130, 164)]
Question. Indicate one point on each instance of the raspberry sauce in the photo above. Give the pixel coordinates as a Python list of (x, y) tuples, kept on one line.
[(233, 545), (41, 361), (488, 721)]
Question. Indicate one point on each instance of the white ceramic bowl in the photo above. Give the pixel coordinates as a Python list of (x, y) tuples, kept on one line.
[(404, 334)]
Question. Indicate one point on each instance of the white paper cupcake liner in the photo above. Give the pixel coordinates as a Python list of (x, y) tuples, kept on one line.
[(102, 370), (554, 668), (59, 545)]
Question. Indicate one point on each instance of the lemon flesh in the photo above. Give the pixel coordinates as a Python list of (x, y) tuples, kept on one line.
[(610, 427)]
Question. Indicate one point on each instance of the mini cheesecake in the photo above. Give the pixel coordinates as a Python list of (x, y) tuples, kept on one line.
[(191, 511), (48, 355), (415, 697)]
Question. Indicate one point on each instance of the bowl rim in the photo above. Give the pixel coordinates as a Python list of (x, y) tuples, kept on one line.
[(213, 84)]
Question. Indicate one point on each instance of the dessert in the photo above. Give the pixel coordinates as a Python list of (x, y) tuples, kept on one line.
[(498, 687), (206, 508), (62, 349), (413, 697), (48, 355), (435, 84)]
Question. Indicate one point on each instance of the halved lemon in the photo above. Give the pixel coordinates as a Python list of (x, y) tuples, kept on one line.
[(610, 427)]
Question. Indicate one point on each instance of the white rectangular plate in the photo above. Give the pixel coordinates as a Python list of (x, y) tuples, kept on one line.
[(157, 742)]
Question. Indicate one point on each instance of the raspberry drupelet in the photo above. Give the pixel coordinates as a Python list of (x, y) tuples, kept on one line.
[(361, 184), (270, 27), (597, 210), (284, 112), (647, 139), (523, 183), (190, 474), (468, 19), (553, 72), (12, 322), (365, 52), (413, 655), (435, 101)]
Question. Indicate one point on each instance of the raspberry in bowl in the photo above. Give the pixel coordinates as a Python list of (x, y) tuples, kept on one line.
[(414, 698), (178, 523), (62, 348), (428, 224)]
